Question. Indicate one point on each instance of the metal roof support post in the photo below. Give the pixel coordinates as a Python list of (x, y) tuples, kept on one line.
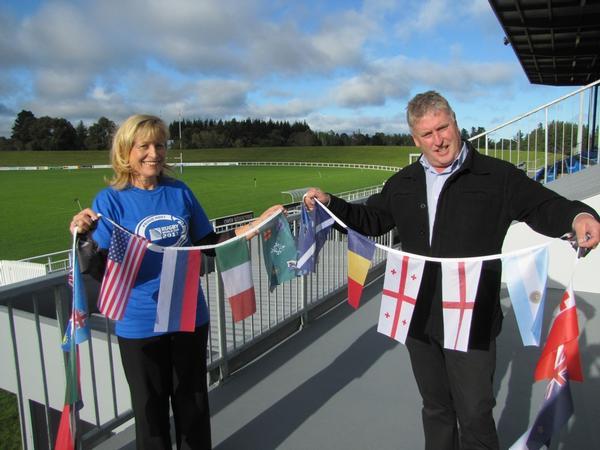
[(580, 124), (594, 124), (546, 145)]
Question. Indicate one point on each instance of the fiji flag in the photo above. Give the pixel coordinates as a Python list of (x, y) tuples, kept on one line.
[(360, 254), (315, 226), (555, 411), (526, 282), (279, 251), (77, 330), (178, 291)]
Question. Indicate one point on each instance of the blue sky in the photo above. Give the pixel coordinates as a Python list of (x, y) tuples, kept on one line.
[(338, 65)]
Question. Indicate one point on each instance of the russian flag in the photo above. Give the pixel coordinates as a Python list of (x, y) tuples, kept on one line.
[(360, 254), (178, 292)]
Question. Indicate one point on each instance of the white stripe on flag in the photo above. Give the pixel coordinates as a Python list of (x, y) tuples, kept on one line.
[(167, 278), (459, 288), (323, 225), (237, 279), (306, 256)]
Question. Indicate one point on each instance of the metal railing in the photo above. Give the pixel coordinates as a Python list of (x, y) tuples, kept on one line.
[(36, 312), (54, 262), (558, 138)]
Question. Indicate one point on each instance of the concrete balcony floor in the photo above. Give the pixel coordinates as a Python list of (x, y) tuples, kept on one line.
[(338, 384)]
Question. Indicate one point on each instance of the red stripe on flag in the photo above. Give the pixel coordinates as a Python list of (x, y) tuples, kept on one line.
[(190, 294), (462, 304), (400, 296), (243, 304), (354, 292)]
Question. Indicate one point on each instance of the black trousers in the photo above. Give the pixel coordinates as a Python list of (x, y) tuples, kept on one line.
[(458, 396), (171, 367)]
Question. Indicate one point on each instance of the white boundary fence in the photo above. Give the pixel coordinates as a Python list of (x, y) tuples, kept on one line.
[(219, 164)]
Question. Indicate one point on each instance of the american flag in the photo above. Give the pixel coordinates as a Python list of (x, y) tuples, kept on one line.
[(124, 259)]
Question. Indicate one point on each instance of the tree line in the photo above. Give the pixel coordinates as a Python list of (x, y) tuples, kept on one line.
[(49, 134)]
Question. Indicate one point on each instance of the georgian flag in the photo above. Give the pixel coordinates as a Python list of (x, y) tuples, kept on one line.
[(400, 290), (459, 288)]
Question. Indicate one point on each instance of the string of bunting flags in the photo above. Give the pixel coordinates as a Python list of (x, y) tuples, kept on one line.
[(525, 272)]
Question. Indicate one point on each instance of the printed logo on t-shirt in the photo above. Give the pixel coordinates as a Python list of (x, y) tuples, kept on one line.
[(163, 229)]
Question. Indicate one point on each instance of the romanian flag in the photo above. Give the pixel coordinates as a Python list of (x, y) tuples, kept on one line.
[(360, 253), (178, 292)]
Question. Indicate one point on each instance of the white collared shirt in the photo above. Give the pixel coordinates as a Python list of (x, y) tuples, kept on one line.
[(435, 182)]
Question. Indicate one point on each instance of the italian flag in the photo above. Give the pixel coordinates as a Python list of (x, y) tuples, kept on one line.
[(233, 261)]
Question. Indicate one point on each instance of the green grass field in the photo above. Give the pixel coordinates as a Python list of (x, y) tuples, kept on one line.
[(39, 205), (10, 433)]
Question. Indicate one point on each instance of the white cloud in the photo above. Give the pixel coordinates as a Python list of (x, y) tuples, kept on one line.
[(295, 109), (396, 78), (60, 35), (61, 83), (368, 124), (217, 94), (253, 58)]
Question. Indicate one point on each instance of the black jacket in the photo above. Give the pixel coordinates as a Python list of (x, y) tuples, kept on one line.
[(475, 208)]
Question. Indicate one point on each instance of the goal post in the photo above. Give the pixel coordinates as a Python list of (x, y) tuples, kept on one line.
[(412, 157), (176, 161)]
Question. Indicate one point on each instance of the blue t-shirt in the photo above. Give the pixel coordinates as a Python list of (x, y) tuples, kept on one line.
[(168, 215)]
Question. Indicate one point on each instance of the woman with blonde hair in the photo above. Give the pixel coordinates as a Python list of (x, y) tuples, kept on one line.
[(161, 368)]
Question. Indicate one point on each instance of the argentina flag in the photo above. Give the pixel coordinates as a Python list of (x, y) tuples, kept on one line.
[(525, 277)]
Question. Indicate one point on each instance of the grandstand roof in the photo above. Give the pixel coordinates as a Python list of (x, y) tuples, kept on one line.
[(557, 42)]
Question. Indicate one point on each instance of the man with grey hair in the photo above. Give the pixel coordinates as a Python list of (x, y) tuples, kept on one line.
[(456, 202)]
